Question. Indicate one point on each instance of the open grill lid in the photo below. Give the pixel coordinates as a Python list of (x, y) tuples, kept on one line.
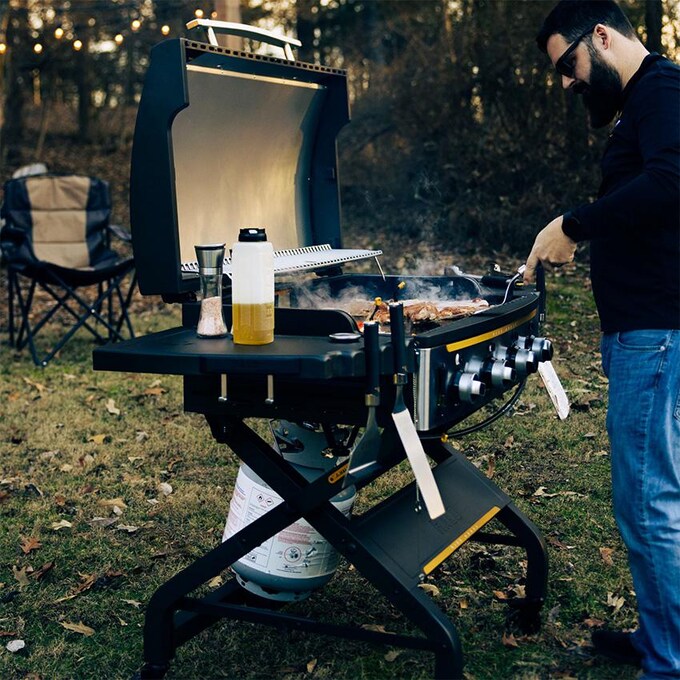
[(226, 140)]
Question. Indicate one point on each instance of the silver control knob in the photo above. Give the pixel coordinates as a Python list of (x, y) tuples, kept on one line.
[(469, 386), (500, 373), (524, 362), (541, 347)]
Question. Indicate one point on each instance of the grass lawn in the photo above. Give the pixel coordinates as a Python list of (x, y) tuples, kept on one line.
[(107, 489)]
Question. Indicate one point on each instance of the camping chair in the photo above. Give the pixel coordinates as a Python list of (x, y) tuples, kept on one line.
[(56, 237)]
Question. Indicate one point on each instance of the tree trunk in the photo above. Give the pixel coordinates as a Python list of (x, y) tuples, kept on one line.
[(229, 10), (17, 81), (305, 30), (653, 23), (83, 81)]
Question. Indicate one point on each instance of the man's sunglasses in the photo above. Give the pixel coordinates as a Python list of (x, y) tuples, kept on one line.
[(564, 65)]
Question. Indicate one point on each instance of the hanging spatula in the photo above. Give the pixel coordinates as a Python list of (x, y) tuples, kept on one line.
[(402, 418), (366, 450)]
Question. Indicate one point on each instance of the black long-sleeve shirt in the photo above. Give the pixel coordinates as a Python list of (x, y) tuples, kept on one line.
[(634, 225)]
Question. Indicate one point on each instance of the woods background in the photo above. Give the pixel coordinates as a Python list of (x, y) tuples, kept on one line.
[(460, 134)]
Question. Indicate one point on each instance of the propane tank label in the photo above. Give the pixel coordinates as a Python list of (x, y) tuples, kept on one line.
[(298, 550)]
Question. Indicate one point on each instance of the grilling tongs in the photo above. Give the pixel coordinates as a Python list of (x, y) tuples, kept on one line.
[(365, 453)]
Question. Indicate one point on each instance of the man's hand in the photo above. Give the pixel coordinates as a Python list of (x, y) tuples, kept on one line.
[(552, 248)]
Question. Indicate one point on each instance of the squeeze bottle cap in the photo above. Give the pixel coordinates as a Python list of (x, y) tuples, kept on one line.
[(252, 235)]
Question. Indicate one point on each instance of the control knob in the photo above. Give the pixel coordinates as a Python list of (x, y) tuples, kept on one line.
[(469, 386), (524, 361), (494, 372), (541, 347)]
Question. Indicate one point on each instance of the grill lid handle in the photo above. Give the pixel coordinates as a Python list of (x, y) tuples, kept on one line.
[(244, 31)]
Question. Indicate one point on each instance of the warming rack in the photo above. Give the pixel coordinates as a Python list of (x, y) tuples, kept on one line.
[(303, 259)]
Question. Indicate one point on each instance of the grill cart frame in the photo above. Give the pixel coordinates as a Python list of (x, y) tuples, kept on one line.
[(183, 192)]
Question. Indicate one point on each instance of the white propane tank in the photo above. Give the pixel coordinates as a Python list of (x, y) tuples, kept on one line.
[(298, 560), (252, 288)]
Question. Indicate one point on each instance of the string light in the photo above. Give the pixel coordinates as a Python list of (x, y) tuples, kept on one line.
[(77, 45), (118, 39), (199, 13), (3, 48), (59, 33), (37, 48), (165, 29), (136, 25)]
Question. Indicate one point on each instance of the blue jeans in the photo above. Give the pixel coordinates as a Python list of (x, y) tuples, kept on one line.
[(643, 422)]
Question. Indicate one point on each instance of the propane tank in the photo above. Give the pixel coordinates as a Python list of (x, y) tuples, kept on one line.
[(252, 286), (298, 560)]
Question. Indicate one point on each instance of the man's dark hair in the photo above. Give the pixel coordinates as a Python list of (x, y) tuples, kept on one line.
[(570, 18)]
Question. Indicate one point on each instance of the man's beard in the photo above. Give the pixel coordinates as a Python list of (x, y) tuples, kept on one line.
[(602, 96)]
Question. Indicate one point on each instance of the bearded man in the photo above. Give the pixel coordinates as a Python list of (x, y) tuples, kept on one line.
[(633, 229)]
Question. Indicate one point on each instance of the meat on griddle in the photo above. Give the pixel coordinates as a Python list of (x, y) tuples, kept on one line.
[(421, 311)]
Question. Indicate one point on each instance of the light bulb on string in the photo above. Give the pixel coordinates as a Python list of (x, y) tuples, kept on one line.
[(199, 13), (118, 39), (77, 45), (136, 25), (37, 48), (3, 48), (165, 29), (59, 33)]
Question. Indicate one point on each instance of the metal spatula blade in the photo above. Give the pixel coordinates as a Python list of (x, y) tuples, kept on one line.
[(402, 419)]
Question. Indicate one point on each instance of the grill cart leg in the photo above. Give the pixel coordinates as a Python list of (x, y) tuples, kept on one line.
[(163, 630), (393, 545), (527, 610), (355, 541)]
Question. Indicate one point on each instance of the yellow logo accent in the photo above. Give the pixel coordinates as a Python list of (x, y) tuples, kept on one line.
[(436, 561), (468, 342), (338, 474)]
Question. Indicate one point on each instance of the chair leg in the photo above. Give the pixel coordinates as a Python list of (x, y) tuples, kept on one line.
[(101, 311), (25, 328), (10, 304)]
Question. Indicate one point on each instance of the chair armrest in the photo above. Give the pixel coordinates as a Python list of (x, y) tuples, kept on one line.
[(121, 233)]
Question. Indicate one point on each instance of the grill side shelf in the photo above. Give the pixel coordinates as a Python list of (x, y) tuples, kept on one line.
[(179, 352)]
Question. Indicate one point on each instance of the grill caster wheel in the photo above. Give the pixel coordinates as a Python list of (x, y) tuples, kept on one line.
[(151, 671), (525, 615)]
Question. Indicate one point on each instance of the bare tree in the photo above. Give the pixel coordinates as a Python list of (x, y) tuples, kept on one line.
[(229, 10), (653, 23), (17, 78)]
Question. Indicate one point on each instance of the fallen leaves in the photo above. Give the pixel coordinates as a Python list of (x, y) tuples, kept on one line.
[(592, 622), (606, 555), (29, 544), (61, 524), (542, 493), (79, 627), (38, 386), (88, 581), (430, 589), (112, 408), (509, 640), (39, 574), (99, 438), (113, 502), (615, 601), (21, 576)]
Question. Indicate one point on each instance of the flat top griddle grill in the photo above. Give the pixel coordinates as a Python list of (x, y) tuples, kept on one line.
[(226, 140)]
